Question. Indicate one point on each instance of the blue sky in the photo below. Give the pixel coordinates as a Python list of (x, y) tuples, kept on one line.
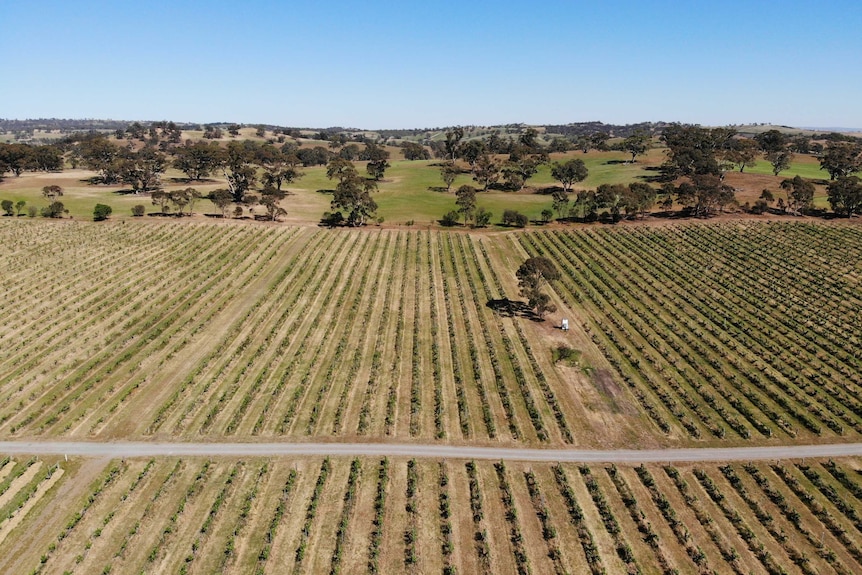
[(389, 64)]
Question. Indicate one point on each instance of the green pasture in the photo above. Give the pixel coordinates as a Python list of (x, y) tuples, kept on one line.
[(410, 190), (804, 166)]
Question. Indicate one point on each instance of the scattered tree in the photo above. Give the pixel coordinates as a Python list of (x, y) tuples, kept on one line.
[(182, 199), (270, 199), (637, 144), (44, 159), (706, 194), (102, 156), (353, 195), (845, 195), (692, 150), (14, 157), (450, 219), (377, 157), (236, 166), (569, 173), (414, 151), (448, 172), (742, 153), (138, 210), (8, 206), (197, 160), (561, 201), (451, 144), (221, 199), (486, 171), (376, 168), (482, 218), (514, 218), (143, 170), (780, 160), (465, 199), (611, 196), (339, 168), (471, 151), (639, 198), (54, 210), (161, 199), (772, 141), (532, 276), (51, 193), (800, 194), (279, 167), (213, 133), (841, 159), (19, 207)]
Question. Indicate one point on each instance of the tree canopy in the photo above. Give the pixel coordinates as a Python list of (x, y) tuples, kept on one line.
[(845, 195), (353, 196), (569, 172), (532, 276), (841, 159)]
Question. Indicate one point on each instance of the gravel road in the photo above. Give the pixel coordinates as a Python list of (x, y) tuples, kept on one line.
[(120, 449)]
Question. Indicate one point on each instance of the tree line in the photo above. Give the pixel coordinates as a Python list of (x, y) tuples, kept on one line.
[(692, 175)]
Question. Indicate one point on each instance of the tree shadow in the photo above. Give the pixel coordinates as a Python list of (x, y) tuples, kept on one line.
[(325, 191), (503, 187), (202, 181), (440, 189), (510, 308), (548, 190)]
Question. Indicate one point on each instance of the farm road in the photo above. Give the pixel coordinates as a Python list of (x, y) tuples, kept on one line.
[(121, 449)]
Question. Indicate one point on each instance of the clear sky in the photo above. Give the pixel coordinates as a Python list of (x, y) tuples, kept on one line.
[(415, 63)]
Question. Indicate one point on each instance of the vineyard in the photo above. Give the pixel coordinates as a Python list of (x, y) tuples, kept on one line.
[(724, 332), (427, 516), (238, 331), (682, 335)]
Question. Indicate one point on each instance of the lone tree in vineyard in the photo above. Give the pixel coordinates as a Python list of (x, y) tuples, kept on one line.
[(533, 274)]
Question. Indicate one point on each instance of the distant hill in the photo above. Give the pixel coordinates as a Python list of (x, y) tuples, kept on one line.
[(26, 130)]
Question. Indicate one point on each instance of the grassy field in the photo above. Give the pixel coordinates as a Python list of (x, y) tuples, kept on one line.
[(424, 516), (410, 190)]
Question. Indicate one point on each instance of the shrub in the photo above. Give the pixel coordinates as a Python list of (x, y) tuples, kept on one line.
[(566, 354), (332, 219), (514, 218), (55, 210), (138, 210), (101, 212), (482, 218), (449, 219)]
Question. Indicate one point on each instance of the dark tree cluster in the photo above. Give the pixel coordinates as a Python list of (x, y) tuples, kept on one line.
[(19, 158)]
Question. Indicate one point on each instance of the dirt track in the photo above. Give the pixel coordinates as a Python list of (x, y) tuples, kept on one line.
[(121, 449)]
